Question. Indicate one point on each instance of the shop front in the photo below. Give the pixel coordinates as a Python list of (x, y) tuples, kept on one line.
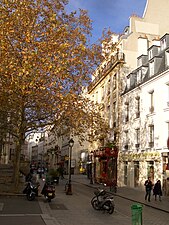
[(105, 166)]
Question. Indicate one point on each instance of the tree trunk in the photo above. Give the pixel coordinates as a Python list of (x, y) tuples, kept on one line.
[(17, 167)]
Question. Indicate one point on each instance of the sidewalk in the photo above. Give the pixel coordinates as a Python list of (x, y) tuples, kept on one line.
[(132, 194)]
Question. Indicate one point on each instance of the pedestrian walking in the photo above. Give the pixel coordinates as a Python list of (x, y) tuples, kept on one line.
[(157, 190), (148, 186)]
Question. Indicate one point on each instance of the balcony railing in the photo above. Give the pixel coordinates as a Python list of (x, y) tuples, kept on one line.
[(117, 58)]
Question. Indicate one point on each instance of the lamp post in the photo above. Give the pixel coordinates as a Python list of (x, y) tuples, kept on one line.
[(69, 187), (91, 167)]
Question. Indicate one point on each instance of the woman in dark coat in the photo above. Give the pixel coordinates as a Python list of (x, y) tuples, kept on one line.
[(157, 190)]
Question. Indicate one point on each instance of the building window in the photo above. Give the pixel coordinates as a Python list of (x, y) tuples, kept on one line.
[(168, 94), (114, 114), (114, 81), (126, 112), (96, 97), (125, 172), (151, 135), (150, 170), (137, 145), (115, 137), (126, 140), (151, 109), (137, 107), (102, 93), (168, 135), (108, 112), (108, 87)]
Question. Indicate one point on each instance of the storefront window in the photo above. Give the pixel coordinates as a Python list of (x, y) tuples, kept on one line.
[(136, 173), (150, 170), (125, 172)]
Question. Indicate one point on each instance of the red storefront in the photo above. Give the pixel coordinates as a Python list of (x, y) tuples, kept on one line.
[(105, 165)]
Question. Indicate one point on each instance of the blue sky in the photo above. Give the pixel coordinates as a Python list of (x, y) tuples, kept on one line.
[(113, 14)]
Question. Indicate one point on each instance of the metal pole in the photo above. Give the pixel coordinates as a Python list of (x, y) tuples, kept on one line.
[(91, 169), (69, 188)]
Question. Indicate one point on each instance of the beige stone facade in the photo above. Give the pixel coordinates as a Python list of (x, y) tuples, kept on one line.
[(110, 81)]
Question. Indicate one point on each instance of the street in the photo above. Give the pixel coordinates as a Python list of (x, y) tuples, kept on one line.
[(71, 210)]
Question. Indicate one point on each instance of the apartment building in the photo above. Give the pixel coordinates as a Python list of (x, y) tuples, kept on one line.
[(111, 76), (145, 119)]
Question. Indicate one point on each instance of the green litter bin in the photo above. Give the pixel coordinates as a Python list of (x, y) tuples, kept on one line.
[(136, 210)]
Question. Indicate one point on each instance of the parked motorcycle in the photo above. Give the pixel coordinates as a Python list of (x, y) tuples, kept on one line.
[(31, 190), (48, 191), (103, 200)]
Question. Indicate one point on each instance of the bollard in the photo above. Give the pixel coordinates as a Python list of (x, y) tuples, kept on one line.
[(136, 214)]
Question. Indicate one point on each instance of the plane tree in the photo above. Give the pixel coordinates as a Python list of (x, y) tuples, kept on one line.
[(45, 59)]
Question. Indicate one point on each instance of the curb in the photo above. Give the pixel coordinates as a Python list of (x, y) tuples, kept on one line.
[(133, 200)]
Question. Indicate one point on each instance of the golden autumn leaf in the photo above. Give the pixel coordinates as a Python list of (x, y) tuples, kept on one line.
[(45, 60)]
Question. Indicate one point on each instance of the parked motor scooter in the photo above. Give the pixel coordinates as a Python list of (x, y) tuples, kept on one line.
[(48, 191), (31, 190), (103, 200)]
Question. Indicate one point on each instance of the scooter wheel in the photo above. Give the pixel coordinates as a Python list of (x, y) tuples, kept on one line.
[(109, 207), (30, 197), (49, 199), (95, 205)]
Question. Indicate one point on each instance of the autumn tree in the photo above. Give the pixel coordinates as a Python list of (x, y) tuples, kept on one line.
[(45, 60)]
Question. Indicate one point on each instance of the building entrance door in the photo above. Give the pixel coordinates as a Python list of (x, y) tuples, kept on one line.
[(150, 170), (125, 172), (136, 173)]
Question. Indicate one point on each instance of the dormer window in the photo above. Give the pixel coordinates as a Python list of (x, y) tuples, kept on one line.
[(128, 81), (139, 76), (163, 44), (150, 54), (151, 67), (167, 58)]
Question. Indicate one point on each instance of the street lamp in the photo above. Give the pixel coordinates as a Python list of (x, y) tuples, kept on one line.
[(91, 167), (69, 186)]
